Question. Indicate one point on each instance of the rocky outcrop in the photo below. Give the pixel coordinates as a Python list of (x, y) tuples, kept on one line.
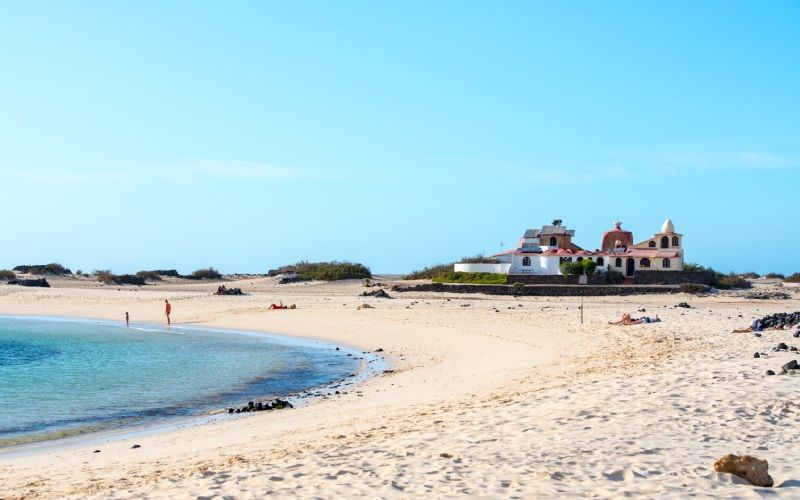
[(751, 469), (41, 282)]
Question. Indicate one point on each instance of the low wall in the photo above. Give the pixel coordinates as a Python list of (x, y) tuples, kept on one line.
[(672, 277), (540, 290), (482, 268), (554, 279)]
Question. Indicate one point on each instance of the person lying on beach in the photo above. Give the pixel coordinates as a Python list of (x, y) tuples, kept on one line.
[(278, 306), (628, 320), (755, 326)]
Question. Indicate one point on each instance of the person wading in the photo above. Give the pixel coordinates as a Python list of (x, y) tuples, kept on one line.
[(167, 311)]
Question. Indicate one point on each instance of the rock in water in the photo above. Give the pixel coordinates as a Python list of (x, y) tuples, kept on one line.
[(751, 469)]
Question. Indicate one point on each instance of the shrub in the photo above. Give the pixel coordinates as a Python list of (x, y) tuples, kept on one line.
[(208, 273), (577, 268), (794, 278), (149, 275), (5, 274), (693, 288), (775, 276), (107, 278), (429, 272), (475, 278), (691, 267), (518, 283), (731, 281), (332, 271), (478, 259), (750, 275), (54, 269), (79, 272)]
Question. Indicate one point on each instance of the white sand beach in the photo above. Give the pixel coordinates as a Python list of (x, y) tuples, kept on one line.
[(489, 397)]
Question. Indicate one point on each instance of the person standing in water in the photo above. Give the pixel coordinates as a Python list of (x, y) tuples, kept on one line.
[(167, 311), (127, 319)]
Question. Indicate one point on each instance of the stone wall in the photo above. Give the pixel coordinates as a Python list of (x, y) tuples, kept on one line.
[(539, 290), (554, 279), (672, 277)]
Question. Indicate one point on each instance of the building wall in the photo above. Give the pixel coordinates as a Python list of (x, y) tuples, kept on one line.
[(562, 240), (672, 278), (482, 268)]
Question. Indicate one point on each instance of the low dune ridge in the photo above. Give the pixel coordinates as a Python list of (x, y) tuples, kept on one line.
[(487, 396)]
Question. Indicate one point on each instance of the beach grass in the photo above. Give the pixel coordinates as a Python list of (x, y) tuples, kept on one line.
[(474, 278)]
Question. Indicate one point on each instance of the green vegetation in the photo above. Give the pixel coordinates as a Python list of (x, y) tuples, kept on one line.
[(332, 271), (693, 288), (478, 259), (726, 281), (5, 274), (577, 268), (429, 272), (794, 278), (474, 278), (518, 284), (775, 276), (54, 269), (108, 278), (557, 222), (149, 276), (721, 281), (750, 275), (207, 273)]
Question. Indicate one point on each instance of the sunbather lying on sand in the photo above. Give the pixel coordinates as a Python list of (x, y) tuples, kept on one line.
[(281, 306), (755, 326), (628, 320)]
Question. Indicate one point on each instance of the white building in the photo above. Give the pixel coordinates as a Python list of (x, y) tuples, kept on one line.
[(541, 251)]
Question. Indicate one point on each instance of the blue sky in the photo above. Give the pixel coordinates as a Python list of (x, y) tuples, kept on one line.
[(246, 135)]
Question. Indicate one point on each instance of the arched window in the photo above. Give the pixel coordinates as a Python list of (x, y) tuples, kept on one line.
[(553, 241), (644, 262), (664, 242), (665, 263), (652, 244), (600, 261), (580, 259), (526, 261), (676, 242), (618, 262)]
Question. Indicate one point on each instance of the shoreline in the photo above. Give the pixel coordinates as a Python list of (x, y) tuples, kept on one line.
[(370, 365), (489, 396)]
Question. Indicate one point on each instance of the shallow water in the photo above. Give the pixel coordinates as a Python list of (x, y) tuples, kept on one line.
[(65, 377)]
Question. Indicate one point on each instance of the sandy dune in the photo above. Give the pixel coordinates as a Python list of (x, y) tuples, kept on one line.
[(503, 398)]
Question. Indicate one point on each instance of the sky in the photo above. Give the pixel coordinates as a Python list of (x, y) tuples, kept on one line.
[(248, 135)]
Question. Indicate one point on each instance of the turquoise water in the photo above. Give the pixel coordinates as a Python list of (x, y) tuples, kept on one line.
[(65, 377)]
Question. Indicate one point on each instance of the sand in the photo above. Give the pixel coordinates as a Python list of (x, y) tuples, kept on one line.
[(504, 398)]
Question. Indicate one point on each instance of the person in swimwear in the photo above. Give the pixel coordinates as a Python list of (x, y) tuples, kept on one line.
[(168, 311)]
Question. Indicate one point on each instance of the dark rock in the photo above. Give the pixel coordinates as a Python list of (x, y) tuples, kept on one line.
[(770, 372), (136, 446), (96, 451), (380, 349), (796, 334), (756, 355), (757, 334), (231, 410), (791, 365), (684, 305), (41, 282), (781, 347), (380, 293)]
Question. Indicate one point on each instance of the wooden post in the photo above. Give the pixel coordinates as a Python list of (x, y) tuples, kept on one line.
[(581, 310)]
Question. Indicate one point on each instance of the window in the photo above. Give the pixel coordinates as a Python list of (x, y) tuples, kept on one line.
[(618, 262), (664, 242), (600, 261), (526, 261), (676, 242), (665, 263), (644, 263), (580, 259), (553, 241), (652, 244)]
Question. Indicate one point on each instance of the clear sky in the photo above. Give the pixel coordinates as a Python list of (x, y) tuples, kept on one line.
[(246, 135)]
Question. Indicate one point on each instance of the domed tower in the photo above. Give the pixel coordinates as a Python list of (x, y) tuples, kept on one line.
[(616, 237), (668, 238)]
